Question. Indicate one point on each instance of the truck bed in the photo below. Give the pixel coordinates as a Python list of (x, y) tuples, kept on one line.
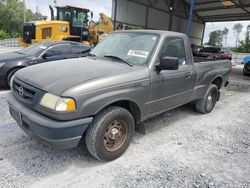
[(202, 59)]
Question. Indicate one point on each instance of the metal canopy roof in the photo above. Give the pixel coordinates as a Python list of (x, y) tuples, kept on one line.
[(221, 10)]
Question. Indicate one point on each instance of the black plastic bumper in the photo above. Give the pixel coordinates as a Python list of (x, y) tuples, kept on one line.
[(246, 71), (2, 81), (57, 134)]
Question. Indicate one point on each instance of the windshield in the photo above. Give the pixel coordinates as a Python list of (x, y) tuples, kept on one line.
[(210, 50), (34, 49), (134, 48), (78, 18)]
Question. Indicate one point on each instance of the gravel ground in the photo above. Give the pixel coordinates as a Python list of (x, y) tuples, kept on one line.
[(181, 148)]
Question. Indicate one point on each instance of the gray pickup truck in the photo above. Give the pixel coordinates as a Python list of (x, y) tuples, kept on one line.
[(128, 77)]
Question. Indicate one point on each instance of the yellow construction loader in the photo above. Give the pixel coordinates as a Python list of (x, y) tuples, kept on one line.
[(70, 23)]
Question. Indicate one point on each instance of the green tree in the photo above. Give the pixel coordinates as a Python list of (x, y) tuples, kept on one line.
[(4, 35), (38, 16), (11, 14), (215, 38), (225, 33), (237, 29), (244, 46), (248, 34)]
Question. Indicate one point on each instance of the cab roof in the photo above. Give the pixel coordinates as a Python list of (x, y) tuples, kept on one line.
[(73, 7)]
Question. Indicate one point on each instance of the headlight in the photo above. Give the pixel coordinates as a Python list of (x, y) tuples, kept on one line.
[(57, 103), (1, 64)]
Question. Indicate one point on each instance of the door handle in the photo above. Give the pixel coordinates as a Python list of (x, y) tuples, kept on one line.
[(188, 75)]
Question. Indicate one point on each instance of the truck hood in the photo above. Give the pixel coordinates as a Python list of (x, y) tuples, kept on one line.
[(58, 76)]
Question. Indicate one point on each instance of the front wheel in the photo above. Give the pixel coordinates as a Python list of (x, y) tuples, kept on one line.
[(110, 133), (10, 75), (206, 104)]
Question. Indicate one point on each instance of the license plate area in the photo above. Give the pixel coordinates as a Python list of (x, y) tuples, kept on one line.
[(17, 116)]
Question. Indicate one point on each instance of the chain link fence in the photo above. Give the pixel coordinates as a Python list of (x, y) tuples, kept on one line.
[(10, 42)]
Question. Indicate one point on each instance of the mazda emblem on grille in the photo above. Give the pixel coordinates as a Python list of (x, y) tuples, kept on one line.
[(20, 91)]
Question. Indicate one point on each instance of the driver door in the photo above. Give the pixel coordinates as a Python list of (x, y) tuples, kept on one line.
[(171, 88), (54, 53)]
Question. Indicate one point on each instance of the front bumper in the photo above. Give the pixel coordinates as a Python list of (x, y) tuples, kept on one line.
[(56, 134), (246, 69), (2, 81)]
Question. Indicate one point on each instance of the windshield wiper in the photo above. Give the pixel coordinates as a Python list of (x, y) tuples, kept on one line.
[(120, 59), (18, 52)]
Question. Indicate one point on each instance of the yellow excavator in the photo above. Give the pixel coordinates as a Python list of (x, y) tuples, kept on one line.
[(70, 23)]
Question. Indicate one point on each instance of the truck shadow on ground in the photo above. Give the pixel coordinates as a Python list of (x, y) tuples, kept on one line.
[(34, 159)]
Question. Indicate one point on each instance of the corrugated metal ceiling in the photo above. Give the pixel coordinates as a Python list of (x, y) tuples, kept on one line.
[(222, 10), (207, 10)]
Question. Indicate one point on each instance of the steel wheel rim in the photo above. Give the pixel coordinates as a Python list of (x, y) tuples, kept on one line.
[(211, 98), (115, 135)]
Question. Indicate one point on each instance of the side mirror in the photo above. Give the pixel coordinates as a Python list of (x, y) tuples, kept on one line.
[(221, 52), (46, 55), (168, 63)]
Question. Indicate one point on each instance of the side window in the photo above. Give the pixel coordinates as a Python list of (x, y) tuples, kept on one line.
[(75, 49), (78, 49), (224, 50), (58, 50), (85, 49), (174, 47)]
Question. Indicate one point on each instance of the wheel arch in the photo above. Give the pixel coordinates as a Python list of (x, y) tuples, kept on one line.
[(218, 81), (129, 105), (13, 68)]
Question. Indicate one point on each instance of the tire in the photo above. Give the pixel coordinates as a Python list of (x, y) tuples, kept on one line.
[(110, 133), (245, 72), (10, 75), (206, 104)]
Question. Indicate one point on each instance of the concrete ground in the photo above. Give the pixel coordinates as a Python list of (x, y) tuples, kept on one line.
[(237, 76), (181, 148)]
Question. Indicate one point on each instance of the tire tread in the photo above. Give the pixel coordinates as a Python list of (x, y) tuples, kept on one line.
[(200, 105), (92, 132)]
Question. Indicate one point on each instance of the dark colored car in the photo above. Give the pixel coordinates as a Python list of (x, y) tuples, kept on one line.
[(214, 53), (38, 53), (246, 69)]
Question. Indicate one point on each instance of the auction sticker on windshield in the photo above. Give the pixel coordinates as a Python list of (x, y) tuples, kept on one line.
[(138, 53)]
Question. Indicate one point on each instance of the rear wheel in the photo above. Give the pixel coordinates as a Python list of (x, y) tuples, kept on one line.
[(207, 103), (110, 133), (245, 72), (10, 75)]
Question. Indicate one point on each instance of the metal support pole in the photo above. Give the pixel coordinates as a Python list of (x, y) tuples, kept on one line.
[(203, 33), (146, 21), (170, 22), (115, 13), (191, 10)]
